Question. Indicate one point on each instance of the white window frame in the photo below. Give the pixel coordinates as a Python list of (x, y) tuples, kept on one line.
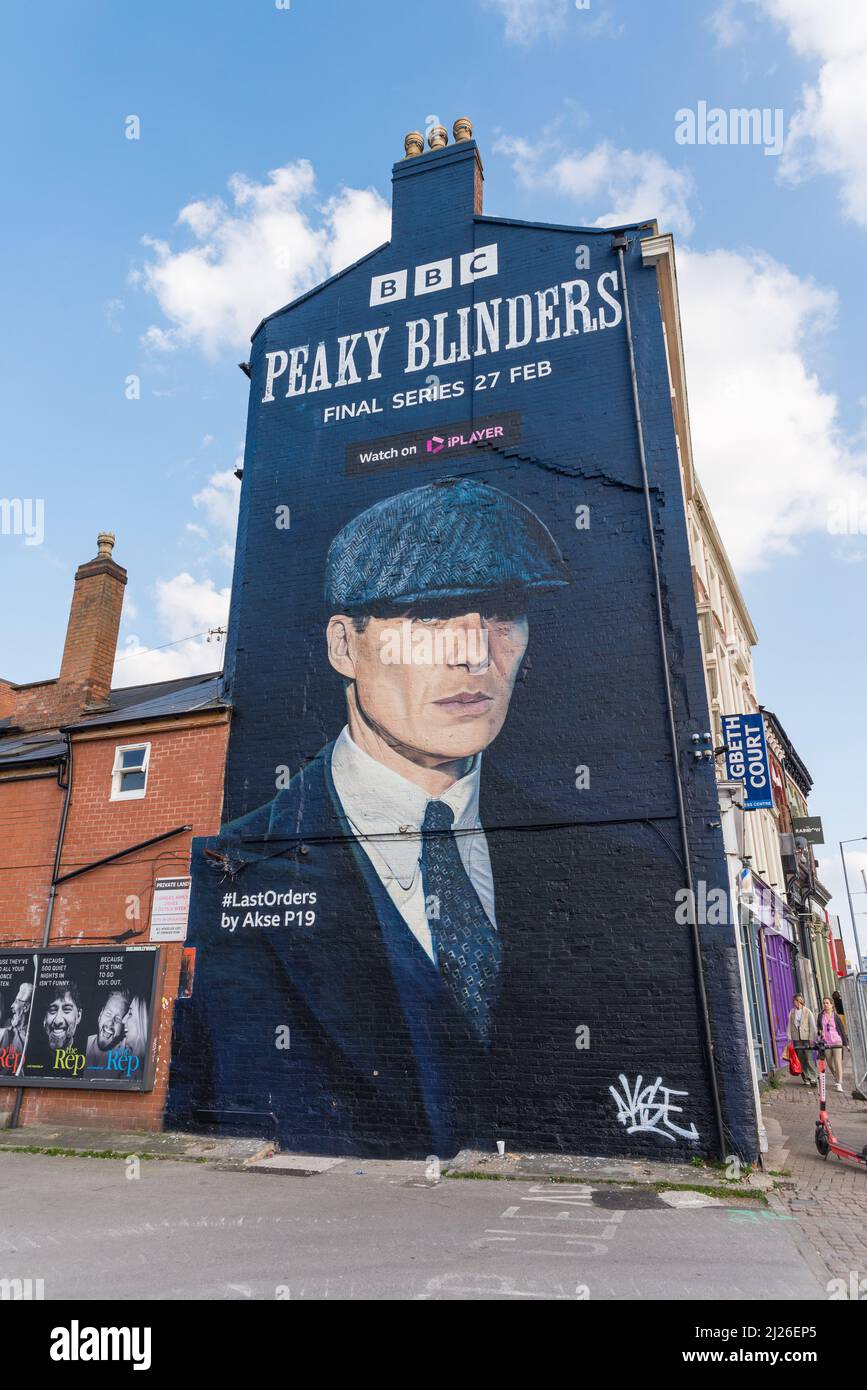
[(118, 769)]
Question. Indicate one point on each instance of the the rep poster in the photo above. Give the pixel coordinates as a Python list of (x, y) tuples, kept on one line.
[(17, 977), (78, 1017)]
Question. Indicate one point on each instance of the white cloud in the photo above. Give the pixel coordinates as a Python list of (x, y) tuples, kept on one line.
[(629, 186), (768, 443), (185, 606), (269, 244), (827, 134), (136, 665), (357, 220), (726, 24), (159, 340), (769, 446), (250, 258), (113, 310), (830, 871), (830, 30), (528, 20), (219, 501)]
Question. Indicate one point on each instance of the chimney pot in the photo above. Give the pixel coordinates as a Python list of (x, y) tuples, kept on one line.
[(462, 129), (449, 180), (414, 144), (91, 633)]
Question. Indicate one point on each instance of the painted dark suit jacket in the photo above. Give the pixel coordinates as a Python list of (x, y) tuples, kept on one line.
[(381, 1060), (377, 1044)]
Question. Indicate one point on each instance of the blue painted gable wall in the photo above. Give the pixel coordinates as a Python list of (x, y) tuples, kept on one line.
[(589, 878)]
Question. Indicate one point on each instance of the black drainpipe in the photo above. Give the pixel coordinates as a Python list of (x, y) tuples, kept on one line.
[(619, 244), (52, 894), (58, 852)]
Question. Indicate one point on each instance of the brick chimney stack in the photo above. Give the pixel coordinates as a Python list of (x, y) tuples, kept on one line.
[(443, 187), (92, 630)]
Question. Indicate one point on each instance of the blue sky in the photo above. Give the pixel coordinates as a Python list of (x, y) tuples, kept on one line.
[(155, 257)]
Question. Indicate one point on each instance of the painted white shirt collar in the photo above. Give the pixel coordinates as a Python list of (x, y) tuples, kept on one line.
[(379, 802)]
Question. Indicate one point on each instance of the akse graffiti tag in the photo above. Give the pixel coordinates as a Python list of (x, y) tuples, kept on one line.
[(649, 1110)]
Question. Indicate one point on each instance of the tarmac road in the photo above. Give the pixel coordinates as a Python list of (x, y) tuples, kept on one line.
[(193, 1231)]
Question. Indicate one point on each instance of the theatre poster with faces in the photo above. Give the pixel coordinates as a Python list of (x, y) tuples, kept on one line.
[(78, 1018)]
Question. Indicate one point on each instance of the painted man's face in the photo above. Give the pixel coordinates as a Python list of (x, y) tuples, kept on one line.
[(61, 1020), (110, 1023), (21, 1006), (432, 687)]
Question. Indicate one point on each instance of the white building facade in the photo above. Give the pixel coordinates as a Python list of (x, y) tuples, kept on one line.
[(757, 881)]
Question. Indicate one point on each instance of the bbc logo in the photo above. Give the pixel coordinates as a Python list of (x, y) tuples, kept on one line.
[(436, 275)]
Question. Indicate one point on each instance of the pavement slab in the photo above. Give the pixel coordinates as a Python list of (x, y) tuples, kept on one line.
[(72, 1139), (826, 1196)]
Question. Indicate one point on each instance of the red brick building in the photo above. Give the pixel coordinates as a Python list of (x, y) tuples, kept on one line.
[(90, 774)]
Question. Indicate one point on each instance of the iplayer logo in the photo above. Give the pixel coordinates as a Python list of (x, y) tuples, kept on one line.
[(467, 437)]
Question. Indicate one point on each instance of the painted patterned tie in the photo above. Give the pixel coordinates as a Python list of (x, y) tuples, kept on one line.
[(468, 950)]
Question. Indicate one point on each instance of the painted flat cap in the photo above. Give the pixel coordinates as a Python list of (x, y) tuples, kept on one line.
[(448, 540)]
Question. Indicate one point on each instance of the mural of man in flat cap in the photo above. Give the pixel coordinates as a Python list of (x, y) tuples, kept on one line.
[(393, 995)]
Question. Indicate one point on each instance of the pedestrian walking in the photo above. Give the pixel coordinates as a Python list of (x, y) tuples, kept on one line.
[(833, 1031), (838, 1004), (801, 1032)]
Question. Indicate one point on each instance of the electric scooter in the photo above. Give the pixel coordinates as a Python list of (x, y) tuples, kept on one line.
[(825, 1141)]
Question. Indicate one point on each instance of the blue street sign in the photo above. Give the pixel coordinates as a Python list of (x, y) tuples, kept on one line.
[(747, 758)]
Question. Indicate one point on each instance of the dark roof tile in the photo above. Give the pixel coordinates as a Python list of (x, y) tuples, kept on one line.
[(162, 699)]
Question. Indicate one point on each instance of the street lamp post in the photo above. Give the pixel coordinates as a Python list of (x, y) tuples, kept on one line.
[(855, 838)]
